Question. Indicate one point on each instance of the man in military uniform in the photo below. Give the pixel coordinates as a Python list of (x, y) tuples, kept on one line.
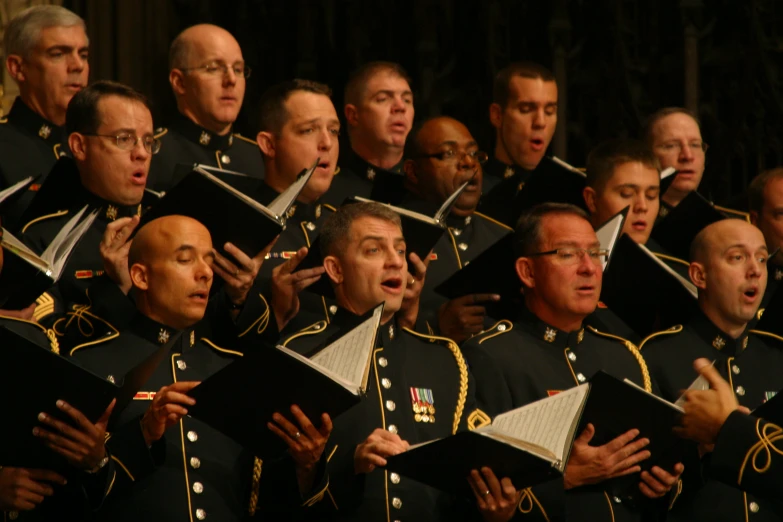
[(46, 50), (524, 114), (442, 156), (745, 449), (193, 471), (379, 115), (765, 199), (364, 257), (208, 76), (729, 267), (547, 349)]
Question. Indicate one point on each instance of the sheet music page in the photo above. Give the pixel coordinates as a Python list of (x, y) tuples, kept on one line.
[(684, 282), (14, 188), (241, 195), (444, 209), (403, 211), (283, 202), (66, 246), (568, 166), (50, 254), (348, 355), (547, 422), (13, 244), (609, 232)]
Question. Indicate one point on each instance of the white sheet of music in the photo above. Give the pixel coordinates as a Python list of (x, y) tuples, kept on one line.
[(547, 422)]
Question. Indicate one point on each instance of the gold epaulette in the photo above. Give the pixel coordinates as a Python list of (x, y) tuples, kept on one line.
[(237, 135), (673, 330), (498, 328), (634, 351), (59, 213), (313, 329), (463, 372), (673, 259), (160, 132), (766, 334), (219, 349), (737, 213), (495, 221)]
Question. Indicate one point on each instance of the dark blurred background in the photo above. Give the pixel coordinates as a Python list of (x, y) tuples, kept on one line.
[(616, 61)]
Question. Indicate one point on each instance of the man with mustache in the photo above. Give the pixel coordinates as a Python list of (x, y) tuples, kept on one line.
[(548, 348), (208, 75), (364, 258), (47, 51), (170, 466), (442, 155), (379, 115), (729, 268), (524, 114)]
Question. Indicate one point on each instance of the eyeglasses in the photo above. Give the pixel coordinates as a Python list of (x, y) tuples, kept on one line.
[(452, 155), (221, 69), (694, 146), (571, 256), (127, 141)]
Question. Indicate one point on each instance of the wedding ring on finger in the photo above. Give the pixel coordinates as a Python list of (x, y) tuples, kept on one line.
[(485, 493), (411, 282), (297, 435)]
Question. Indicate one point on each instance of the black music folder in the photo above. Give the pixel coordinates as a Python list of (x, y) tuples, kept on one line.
[(240, 399), (229, 214)]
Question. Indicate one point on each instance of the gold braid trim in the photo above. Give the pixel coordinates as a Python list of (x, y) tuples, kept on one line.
[(677, 494), (527, 501), (55, 345), (496, 331), (310, 330), (262, 321), (768, 435), (608, 501), (495, 221), (766, 334), (463, 373), (634, 351), (258, 464), (672, 330), (478, 419)]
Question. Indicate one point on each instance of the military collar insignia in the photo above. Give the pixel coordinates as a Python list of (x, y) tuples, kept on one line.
[(744, 342), (468, 220), (33, 123), (370, 173), (550, 334), (192, 337), (163, 336), (663, 212), (154, 332), (778, 274), (290, 212), (230, 139), (719, 342), (580, 336), (205, 138), (45, 131), (111, 212), (391, 331), (508, 172), (317, 211)]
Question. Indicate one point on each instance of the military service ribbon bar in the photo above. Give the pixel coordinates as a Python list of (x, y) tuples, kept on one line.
[(423, 403)]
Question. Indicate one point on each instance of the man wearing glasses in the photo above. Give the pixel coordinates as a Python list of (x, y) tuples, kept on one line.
[(208, 76), (444, 155), (547, 348), (110, 133)]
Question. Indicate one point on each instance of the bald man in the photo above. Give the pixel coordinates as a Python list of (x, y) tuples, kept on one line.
[(207, 74), (442, 155), (190, 471), (729, 268)]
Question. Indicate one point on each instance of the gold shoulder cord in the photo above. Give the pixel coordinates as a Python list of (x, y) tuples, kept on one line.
[(634, 351), (527, 501), (768, 435), (258, 464)]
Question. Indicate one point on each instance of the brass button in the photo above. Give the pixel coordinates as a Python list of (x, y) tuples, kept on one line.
[(195, 462), (754, 507), (617, 500), (392, 428), (391, 406), (395, 478), (572, 357), (225, 159), (182, 364), (740, 391), (109, 378), (192, 436), (198, 488), (13, 515), (201, 514), (397, 503), (386, 383), (735, 369), (383, 362), (580, 377)]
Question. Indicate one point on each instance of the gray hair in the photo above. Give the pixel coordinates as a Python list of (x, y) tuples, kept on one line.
[(24, 30)]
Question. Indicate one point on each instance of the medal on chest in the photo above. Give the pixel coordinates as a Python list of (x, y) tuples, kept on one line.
[(423, 403)]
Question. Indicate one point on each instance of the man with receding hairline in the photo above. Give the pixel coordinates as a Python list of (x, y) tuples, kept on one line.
[(192, 471), (207, 73), (729, 268)]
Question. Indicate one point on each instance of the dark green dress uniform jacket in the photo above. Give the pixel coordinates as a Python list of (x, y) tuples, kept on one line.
[(84, 492), (516, 363), (402, 360), (184, 142), (303, 223), (466, 237), (748, 454), (753, 365), (354, 177), (502, 183), (194, 472), (29, 146)]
